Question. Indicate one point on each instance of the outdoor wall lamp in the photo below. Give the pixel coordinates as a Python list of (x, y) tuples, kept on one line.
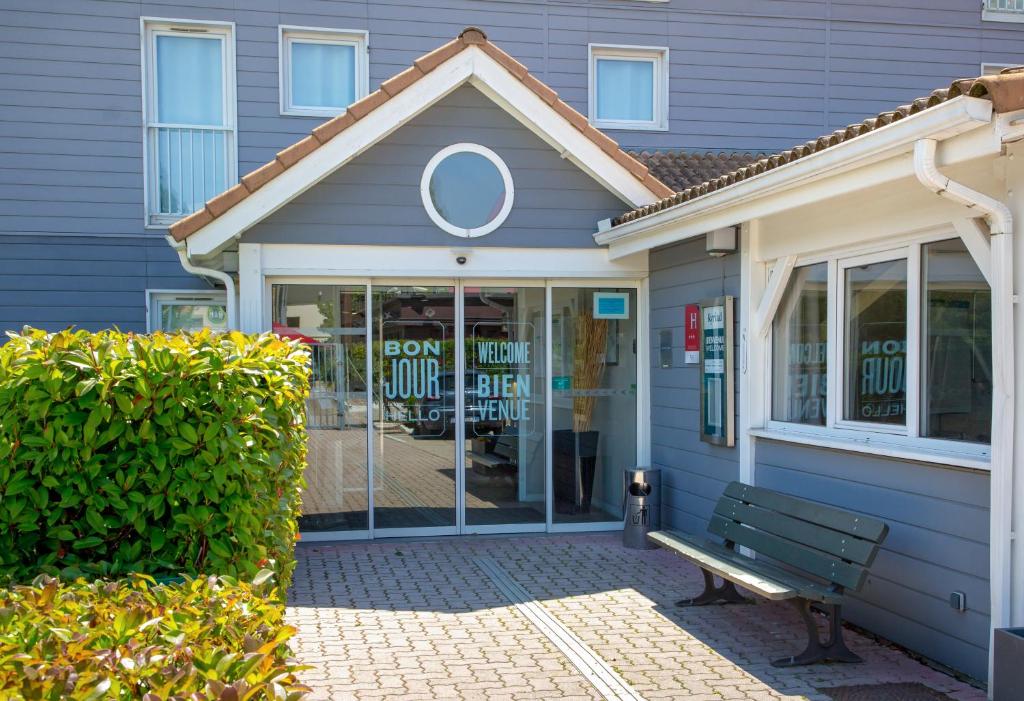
[(721, 242)]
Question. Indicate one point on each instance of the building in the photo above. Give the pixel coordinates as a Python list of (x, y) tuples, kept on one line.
[(495, 269)]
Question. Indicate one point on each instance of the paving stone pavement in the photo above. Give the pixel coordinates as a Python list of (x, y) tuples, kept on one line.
[(419, 620)]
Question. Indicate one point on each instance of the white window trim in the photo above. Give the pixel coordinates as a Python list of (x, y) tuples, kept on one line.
[(993, 15), (659, 56), (900, 441), (155, 299), (149, 28), (286, 33), (443, 223)]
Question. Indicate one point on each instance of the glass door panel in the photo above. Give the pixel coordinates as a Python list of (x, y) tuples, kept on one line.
[(593, 379), (331, 319), (504, 406), (414, 407)]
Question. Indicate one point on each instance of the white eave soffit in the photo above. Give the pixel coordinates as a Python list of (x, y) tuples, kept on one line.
[(866, 160), (469, 66)]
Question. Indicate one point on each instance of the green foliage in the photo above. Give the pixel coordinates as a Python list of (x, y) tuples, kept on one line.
[(161, 454), (210, 638)]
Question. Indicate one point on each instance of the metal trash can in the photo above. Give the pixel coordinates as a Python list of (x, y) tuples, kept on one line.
[(642, 506)]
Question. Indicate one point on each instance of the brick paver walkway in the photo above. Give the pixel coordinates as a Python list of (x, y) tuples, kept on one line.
[(419, 620)]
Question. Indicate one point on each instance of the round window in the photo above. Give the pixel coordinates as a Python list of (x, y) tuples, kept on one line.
[(467, 190)]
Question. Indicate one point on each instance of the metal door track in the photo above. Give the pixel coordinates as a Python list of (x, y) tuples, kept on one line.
[(607, 682)]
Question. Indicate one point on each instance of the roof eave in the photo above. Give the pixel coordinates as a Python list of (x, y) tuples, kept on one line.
[(761, 194)]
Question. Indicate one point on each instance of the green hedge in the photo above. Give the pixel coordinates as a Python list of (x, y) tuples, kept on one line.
[(209, 638), (160, 454)]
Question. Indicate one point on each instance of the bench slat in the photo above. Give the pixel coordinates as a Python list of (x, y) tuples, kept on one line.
[(812, 561), (763, 578), (836, 519), (842, 545)]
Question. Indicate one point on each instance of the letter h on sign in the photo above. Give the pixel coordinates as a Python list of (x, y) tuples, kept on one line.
[(692, 331)]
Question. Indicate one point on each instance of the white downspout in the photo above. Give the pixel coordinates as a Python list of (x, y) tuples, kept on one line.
[(1001, 482), (229, 282)]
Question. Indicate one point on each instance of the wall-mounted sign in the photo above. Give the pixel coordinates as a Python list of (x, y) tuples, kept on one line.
[(716, 372), (691, 347), (611, 305)]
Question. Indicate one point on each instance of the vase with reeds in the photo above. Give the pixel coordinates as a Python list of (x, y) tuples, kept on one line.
[(574, 451)]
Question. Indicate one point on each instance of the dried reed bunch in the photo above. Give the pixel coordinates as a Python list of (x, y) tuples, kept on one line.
[(588, 365)]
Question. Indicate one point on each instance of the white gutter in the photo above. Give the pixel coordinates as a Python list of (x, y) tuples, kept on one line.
[(1001, 481), (761, 195), (229, 282)]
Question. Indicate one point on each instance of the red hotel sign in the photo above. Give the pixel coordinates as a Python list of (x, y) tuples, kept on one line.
[(692, 333)]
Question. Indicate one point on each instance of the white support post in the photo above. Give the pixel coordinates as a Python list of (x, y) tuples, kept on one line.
[(250, 288), (769, 303), (751, 399)]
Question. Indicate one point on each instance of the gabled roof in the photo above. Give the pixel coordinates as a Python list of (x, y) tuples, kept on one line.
[(364, 108), (1006, 91)]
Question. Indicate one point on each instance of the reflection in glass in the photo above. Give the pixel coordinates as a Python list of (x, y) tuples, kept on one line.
[(505, 459), (957, 345), (625, 90), (331, 319), (414, 411), (192, 317), (594, 371), (467, 190), (799, 348), (323, 75), (876, 342), (189, 79)]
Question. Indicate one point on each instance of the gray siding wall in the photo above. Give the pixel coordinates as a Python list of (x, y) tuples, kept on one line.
[(93, 283), (745, 75), (694, 473), (938, 516), (376, 199), (937, 544)]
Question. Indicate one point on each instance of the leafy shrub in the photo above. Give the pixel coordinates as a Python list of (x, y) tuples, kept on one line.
[(162, 454), (211, 637)]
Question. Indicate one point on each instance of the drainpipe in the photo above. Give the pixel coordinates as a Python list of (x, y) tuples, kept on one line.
[(229, 282), (1001, 505)]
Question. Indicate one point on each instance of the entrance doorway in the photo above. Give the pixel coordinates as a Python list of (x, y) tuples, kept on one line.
[(433, 411)]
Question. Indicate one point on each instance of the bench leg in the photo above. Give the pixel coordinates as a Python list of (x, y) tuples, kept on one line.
[(724, 594), (833, 650)]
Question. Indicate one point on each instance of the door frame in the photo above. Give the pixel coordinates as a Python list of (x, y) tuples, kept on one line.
[(643, 453)]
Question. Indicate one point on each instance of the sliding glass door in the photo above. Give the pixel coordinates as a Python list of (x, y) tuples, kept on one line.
[(415, 413), (440, 409), (504, 407)]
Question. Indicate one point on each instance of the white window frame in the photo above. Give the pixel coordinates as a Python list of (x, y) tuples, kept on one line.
[(991, 13), (658, 56), (288, 34), (150, 28), (157, 299), (902, 441), (428, 202)]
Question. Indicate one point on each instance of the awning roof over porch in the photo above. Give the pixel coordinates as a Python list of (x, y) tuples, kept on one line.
[(1005, 91)]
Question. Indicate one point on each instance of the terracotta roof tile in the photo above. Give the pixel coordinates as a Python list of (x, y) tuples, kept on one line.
[(1006, 91), (396, 84), (297, 151), (262, 175), (332, 127), (471, 36)]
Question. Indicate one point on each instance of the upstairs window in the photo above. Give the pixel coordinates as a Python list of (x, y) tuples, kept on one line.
[(322, 71), (1003, 10), (189, 112), (628, 87), (896, 343)]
